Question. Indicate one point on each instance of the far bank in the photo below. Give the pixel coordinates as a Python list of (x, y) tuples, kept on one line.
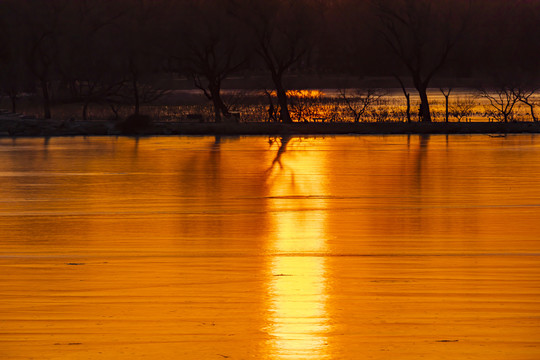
[(19, 127)]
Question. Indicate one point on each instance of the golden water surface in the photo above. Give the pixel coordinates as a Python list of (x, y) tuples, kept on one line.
[(350, 247)]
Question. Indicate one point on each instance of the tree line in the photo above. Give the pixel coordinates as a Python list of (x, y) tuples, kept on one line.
[(114, 52)]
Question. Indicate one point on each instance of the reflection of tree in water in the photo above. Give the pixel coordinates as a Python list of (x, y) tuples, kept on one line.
[(216, 146), (421, 157), (214, 158), (424, 141), (283, 142)]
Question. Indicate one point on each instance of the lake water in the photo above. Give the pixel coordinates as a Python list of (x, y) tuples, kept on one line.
[(352, 247)]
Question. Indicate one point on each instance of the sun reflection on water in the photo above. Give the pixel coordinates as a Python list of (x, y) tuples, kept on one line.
[(297, 289)]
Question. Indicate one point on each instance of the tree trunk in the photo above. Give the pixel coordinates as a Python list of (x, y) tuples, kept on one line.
[(284, 107), (271, 111), (446, 97), (217, 111), (136, 96), (219, 106), (46, 99), (447, 112), (85, 110), (531, 105), (285, 116), (408, 96), (532, 113), (115, 111), (424, 114)]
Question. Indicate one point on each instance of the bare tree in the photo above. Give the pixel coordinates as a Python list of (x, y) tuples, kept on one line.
[(282, 31), (41, 24), (525, 96), (407, 97), (462, 108), (85, 61), (446, 93), (14, 75), (421, 34), (502, 101), (14, 79), (211, 50), (361, 101), (305, 104), (272, 110), (139, 52)]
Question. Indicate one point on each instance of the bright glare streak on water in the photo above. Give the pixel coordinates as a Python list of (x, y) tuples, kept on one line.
[(324, 247), (298, 322)]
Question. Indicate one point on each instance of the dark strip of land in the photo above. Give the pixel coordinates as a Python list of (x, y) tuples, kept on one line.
[(17, 127)]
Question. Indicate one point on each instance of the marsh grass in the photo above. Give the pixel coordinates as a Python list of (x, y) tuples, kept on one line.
[(305, 106)]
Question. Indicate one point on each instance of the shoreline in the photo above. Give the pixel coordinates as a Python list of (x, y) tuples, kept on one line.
[(14, 126)]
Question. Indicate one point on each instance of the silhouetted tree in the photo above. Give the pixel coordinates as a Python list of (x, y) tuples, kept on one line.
[(14, 75), (446, 93), (86, 60), (272, 110), (506, 88), (210, 49), (526, 97), (115, 51), (361, 100), (282, 32), (421, 34), (407, 96), (139, 47), (462, 108), (41, 24), (305, 105), (502, 101)]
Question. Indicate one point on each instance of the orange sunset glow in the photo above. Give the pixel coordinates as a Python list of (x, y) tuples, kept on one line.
[(269, 180), (293, 259)]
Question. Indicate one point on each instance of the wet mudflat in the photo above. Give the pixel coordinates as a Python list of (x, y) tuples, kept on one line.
[(341, 247)]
